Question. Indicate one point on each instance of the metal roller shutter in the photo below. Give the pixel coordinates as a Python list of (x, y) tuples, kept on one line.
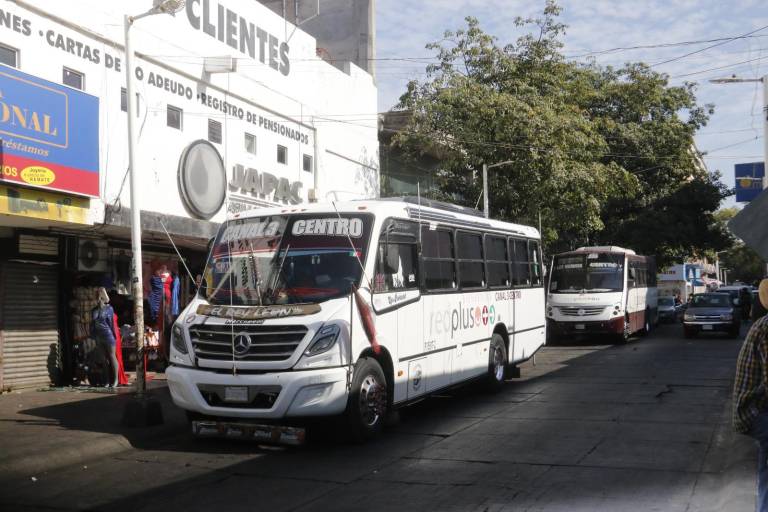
[(29, 324)]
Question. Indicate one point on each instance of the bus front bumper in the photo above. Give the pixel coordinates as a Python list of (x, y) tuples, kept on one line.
[(612, 326), (320, 392)]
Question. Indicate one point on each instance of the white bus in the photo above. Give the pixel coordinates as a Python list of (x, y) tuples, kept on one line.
[(277, 334), (602, 290)]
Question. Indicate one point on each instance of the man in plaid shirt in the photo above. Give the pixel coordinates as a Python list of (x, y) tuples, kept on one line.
[(750, 395)]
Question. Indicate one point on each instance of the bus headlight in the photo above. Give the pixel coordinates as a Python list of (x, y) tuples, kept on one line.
[(177, 339), (323, 340)]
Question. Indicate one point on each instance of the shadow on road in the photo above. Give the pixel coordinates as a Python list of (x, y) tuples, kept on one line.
[(596, 425)]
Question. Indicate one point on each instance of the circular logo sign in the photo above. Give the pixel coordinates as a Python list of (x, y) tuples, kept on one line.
[(241, 344), (202, 179)]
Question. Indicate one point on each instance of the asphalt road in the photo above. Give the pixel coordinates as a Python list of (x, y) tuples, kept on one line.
[(643, 426)]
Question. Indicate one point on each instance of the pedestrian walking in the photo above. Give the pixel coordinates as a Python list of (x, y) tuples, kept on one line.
[(750, 396)]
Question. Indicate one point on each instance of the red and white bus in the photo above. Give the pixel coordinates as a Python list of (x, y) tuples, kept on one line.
[(602, 290)]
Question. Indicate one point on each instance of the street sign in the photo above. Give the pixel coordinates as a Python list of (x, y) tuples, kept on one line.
[(749, 181)]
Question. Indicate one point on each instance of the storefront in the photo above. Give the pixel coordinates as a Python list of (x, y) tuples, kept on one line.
[(240, 119)]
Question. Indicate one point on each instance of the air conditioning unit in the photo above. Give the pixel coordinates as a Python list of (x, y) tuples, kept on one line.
[(91, 255)]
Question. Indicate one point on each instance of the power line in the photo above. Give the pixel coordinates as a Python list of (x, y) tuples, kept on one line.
[(658, 45), (720, 43), (721, 67)]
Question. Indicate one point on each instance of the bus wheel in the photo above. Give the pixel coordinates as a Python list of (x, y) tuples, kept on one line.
[(626, 332), (367, 404), (497, 363), (647, 325)]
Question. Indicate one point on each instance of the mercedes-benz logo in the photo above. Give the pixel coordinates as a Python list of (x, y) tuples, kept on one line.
[(241, 344), (581, 312)]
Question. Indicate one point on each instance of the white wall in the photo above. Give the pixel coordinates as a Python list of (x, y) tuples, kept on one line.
[(334, 110)]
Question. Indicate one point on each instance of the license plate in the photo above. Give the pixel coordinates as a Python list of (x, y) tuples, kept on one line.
[(235, 394), (579, 327), (706, 327)]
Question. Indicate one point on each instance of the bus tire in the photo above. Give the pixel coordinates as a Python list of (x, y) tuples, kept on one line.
[(367, 404), (497, 363), (625, 334), (647, 325)]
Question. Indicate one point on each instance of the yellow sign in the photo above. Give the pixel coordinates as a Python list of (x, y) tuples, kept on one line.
[(38, 175), (38, 204)]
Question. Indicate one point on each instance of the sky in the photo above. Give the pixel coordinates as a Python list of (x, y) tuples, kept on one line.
[(734, 133)]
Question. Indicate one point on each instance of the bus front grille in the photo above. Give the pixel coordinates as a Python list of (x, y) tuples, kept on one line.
[(581, 310), (254, 343)]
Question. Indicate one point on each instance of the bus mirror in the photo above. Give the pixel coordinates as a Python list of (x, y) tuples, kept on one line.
[(391, 260)]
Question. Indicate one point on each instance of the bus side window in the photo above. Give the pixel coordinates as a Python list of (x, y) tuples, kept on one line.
[(396, 267), (533, 252), (471, 266), (438, 255), (521, 267), (497, 258)]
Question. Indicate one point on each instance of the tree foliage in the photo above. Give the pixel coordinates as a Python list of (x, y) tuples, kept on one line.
[(601, 154)]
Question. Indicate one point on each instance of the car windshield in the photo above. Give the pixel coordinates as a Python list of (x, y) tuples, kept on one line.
[(711, 301), (666, 301), (582, 273), (286, 259)]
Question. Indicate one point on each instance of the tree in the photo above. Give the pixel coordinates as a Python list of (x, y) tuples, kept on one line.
[(743, 263), (601, 154)]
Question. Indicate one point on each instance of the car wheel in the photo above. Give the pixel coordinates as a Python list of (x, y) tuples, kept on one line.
[(368, 401)]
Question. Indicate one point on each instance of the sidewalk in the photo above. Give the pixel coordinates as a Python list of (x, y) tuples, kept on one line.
[(47, 429)]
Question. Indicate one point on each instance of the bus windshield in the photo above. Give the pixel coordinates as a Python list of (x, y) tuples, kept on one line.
[(587, 273), (286, 259)]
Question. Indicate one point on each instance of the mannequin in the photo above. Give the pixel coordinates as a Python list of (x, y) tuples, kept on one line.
[(102, 329)]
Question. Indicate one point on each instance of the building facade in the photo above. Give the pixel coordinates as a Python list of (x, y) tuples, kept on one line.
[(234, 111)]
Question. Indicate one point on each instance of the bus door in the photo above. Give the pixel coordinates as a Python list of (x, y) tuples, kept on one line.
[(529, 304), (439, 282), (397, 301)]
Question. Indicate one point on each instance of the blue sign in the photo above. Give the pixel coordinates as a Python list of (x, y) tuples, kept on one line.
[(749, 181), (49, 133)]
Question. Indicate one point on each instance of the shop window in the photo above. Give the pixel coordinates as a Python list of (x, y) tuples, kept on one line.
[(438, 255), (74, 79), (174, 117), (282, 154), (471, 266), (9, 56), (307, 163), (250, 143), (124, 101), (497, 261), (214, 131)]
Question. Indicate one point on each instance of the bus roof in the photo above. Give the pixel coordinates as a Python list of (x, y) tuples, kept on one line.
[(609, 249), (436, 212)]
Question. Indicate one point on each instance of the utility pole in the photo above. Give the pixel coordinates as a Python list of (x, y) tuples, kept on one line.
[(486, 200), (140, 411), (764, 80)]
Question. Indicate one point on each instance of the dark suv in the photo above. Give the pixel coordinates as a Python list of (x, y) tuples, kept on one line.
[(711, 312)]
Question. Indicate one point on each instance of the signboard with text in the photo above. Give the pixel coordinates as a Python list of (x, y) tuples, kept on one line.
[(749, 181), (50, 135)]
